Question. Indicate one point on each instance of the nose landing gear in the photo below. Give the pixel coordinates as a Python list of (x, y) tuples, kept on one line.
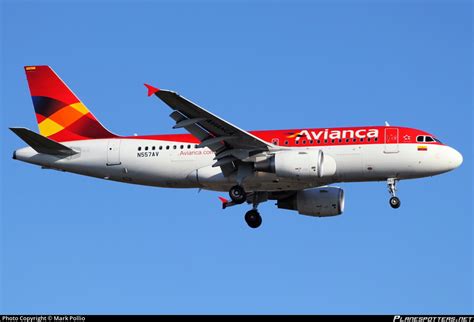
[(392, 188), (394, 202)]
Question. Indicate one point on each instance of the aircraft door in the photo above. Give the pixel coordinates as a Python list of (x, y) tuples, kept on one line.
[(113, 152), (391, 140)]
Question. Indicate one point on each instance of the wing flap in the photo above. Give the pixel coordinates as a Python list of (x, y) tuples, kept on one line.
[(195, 130)]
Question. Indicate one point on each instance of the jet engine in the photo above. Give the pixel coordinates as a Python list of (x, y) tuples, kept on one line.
[(317, 202), (301, 165)]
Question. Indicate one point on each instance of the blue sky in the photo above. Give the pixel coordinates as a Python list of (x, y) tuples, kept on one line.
[(76, 244)]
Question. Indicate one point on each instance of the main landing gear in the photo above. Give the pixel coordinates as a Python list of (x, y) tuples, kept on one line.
[(253, 218), (392, 188), (239, 196)]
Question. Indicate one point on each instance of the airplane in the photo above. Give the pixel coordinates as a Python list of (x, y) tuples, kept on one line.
[(296, 168)]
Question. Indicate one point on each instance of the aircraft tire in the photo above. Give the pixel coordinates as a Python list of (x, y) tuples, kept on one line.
[(253, 218), (237, 194), (395, 202)]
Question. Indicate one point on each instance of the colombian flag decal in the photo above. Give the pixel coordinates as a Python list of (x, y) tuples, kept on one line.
[(422, 148)]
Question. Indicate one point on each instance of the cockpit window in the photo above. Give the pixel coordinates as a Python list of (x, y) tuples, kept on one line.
[(426, 138), (437, 140)]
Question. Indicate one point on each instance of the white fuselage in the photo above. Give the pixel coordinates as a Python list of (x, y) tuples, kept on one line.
[(183, 165)]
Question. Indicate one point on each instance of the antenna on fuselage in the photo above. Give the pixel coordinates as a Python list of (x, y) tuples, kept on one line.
[(386, 123)]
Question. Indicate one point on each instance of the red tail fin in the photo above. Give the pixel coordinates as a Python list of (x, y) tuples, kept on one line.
[(60, 114)]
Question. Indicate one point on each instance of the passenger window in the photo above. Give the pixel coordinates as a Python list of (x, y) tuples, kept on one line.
[(286, 142), (189, 146), (160, 147), (340, 140), (167, 147), (419, 138), (376, 139), (361, 140), (310, 141), (429, 139), (304, 142), (326, 141), (174, 147), (146, 148), (297, 142), (354, 140), (368, 139), (347, 140), (195, 146), (319, 141), (153, 148), (139, 148), (181, 147)]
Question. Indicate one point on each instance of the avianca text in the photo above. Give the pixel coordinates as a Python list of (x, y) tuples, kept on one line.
[(337, 134)]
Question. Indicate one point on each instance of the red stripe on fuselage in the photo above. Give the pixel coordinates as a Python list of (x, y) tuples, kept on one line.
[(314, 137)]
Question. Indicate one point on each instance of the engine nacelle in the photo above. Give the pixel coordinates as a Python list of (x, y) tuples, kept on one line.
[(300, 165), (318, 202)]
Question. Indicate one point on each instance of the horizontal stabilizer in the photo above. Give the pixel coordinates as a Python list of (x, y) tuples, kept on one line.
[(42, 144)]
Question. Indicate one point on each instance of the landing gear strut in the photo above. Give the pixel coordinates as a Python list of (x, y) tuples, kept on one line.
[(392, 188), (237, 194), (252, 217)]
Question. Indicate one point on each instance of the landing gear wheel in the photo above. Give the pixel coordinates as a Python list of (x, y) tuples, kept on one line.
[(394, 202), (237, 194), (253, 218), (392, 188)]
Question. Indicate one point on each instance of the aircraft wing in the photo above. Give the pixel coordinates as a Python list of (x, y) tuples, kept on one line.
[(229, 143)]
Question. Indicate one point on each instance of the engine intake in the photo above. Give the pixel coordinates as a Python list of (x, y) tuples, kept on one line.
[(317, 202)]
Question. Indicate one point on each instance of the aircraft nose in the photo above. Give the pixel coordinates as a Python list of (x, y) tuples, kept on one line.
[(454, 158)]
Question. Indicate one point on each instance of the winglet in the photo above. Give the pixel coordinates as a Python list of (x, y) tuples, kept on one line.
[(151, 90), (223, 200)]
